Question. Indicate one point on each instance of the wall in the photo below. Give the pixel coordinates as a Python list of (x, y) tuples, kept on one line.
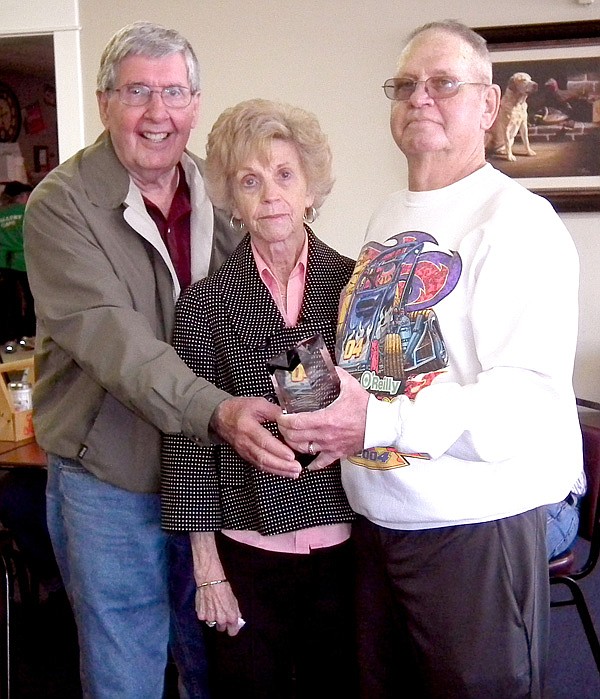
[(331, 56)]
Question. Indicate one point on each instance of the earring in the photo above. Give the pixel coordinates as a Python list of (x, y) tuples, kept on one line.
[(236, 224), (310, 214)]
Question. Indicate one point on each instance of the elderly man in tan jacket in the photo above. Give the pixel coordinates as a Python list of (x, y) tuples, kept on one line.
[(112, 235)]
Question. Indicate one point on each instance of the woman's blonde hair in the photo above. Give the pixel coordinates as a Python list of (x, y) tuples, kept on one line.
[(247, 130)]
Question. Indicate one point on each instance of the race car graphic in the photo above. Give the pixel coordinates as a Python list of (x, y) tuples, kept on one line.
[(388, 336)]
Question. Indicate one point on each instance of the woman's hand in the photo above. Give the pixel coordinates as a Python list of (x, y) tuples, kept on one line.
[(215, 604)]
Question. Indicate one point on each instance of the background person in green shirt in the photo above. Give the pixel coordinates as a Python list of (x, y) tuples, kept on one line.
[(18, 317)]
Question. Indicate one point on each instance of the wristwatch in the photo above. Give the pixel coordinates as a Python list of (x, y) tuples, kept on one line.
[(10, 115)]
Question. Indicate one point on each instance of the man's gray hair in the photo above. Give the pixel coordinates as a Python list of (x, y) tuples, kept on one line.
[(477, 43), (145, 39)]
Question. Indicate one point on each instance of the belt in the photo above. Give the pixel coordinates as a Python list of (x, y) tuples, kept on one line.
[(572, 499)]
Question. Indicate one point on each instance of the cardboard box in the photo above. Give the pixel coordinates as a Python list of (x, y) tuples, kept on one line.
[(14, 425)]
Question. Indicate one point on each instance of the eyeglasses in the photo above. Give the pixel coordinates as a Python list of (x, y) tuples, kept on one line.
[(438, 87), (136, 95)]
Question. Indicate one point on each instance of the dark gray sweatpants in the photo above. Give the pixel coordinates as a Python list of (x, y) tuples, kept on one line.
[(458, 612)]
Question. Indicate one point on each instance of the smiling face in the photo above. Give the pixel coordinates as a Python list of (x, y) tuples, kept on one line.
[(454, 126), (149, 140), (271, 195)]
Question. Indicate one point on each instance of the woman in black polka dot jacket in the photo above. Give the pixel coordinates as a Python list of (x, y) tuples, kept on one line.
[(273, 562)]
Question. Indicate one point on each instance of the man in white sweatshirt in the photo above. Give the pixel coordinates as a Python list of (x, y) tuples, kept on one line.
[(456, 415)]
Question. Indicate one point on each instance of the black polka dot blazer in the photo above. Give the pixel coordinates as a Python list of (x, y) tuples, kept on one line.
[(227, 327)]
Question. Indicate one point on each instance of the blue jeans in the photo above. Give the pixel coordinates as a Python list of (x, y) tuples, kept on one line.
[(113, 557), (562, 523), (188, 646)]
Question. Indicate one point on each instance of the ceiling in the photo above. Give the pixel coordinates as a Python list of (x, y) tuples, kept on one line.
[(31, 55)]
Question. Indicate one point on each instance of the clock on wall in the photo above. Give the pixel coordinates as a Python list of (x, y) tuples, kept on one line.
[(10, 115)]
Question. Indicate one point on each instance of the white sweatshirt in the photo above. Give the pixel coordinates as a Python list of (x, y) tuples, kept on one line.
[(497, 431)]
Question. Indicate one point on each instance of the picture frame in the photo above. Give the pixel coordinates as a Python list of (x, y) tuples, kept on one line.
[(564, 59)]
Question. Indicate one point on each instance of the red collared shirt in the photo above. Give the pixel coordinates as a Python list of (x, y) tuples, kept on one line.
[(175, 229)]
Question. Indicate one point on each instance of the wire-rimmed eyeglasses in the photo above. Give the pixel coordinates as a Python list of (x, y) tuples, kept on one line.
[(438, 87), (136, 95)]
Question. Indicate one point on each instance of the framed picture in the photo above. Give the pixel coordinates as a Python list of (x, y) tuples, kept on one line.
[(34, 119), (563, 109), (40, 159)]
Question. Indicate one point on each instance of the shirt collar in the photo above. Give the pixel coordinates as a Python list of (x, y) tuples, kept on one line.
[(264, 269)]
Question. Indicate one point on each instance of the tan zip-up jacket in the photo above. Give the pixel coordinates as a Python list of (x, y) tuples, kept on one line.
[(107, 379)]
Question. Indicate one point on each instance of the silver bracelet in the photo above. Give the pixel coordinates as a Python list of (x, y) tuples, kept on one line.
[(210, 582)]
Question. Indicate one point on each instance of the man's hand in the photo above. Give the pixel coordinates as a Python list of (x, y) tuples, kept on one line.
[(239, 422), (336, 431)]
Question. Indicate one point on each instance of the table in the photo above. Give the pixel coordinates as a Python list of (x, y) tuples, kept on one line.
[(23, 454)]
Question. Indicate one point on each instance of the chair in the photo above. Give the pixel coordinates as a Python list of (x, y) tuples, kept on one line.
[(566, 570), (12, 571), (5, 610)]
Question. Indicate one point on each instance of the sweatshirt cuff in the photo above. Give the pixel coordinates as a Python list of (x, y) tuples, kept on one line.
[(383, 426)]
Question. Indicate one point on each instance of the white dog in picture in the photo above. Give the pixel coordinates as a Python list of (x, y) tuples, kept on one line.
[(512, 117)]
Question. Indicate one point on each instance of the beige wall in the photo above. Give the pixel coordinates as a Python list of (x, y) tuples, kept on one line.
[(331, 56)]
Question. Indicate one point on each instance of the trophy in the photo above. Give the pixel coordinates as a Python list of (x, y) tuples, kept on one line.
[(304, 379), (304, 376)]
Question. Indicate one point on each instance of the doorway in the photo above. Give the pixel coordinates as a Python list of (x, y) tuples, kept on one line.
[(29, 137)]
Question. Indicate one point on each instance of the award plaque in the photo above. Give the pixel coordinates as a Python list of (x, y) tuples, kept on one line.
[(304, 377)]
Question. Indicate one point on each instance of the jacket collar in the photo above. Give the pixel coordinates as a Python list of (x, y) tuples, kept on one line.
[(105, 179)]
